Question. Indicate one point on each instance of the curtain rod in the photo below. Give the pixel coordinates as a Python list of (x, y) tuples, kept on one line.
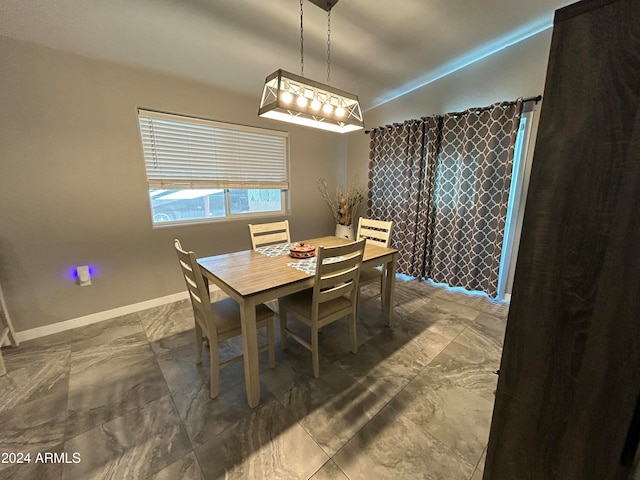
[(535, 99)]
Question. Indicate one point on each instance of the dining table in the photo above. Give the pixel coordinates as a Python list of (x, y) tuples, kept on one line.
[(252, 277)]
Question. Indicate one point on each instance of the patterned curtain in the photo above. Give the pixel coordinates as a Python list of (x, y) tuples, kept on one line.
[(396, 190), (445, 182), (471, 183)]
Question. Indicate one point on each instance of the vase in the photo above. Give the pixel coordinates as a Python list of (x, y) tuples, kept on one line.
[(345, 231)]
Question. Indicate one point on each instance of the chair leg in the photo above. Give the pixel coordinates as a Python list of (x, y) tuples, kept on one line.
[(315, 356), (382, 286), (214, 366), (198, 343), (283, 327), (271, 340), (352, 331)]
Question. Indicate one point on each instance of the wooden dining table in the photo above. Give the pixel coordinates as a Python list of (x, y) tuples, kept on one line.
[(251, 278)]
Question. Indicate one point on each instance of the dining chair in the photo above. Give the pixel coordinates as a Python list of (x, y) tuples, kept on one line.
[(379, 233), (269, 233), (218, 321), (334, 296)]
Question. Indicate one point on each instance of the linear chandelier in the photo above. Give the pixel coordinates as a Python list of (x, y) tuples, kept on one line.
[(295, 99)]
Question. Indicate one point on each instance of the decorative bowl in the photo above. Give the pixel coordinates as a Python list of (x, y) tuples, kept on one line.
[(302, 250)]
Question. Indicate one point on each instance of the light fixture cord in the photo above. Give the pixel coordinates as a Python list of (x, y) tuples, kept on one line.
[(329, 46), (301, 41)]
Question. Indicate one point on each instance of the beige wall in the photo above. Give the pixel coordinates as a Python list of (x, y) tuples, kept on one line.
[(73, 186), (516, 71)]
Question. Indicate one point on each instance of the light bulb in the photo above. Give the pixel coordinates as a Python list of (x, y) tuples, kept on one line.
[(302, 101), (315, 104), (340, 112), (286, 97), (327, 108)]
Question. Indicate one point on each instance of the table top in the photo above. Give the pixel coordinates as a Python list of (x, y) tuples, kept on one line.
[(249, 272)]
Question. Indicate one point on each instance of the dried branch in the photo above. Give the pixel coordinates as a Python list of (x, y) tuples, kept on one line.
[(344, 204)]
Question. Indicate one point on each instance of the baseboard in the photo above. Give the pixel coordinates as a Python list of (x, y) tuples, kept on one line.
[(99, 316), (507, 297)]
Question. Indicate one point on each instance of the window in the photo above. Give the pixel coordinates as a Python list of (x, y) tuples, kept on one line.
[(204, 170)]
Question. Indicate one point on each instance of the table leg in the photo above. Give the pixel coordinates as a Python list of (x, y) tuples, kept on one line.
[(389, 289), (250, 352)]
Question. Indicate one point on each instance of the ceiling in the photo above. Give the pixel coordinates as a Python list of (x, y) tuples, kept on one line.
[(379, 49)]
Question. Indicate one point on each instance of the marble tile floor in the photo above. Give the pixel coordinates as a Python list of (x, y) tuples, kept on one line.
[(123, 399)]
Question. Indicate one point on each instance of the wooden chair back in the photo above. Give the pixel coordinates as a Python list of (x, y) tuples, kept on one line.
[(198, 292), (377, 231), (337, 274), (269, 234)]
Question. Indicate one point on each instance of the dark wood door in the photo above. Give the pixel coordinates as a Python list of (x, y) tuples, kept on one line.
[(570, 374)]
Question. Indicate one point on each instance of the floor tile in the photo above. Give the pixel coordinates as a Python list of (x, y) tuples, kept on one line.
[(479, 472), (485, 334), (56, 341), (422, 287), (392, 447), (329, 471), (445, 318), (334, 339), (371, 316), (36, 468), (33, 427), (135, 445), (268, 444), (179, 367), (178, 363), (369, 291), (386, 364), (35, 369), (121, 332), (410, 302), (293, 365), (481, 302), (468, 368), (187, 468), (108, 381), (205, 418), (175, 341), (457, 417), (431, 343), (166, 320), (332, 408)]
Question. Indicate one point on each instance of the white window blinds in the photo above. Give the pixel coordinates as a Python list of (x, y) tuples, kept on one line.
[(184, 152)]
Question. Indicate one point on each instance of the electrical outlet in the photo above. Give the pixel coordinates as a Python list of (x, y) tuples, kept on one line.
[(84, 277)]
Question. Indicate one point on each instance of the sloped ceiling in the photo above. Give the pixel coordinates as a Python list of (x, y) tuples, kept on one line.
[(379, 49)]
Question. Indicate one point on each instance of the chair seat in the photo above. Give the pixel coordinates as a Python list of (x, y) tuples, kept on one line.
[(300, 303), (227, 315), (368, 275)]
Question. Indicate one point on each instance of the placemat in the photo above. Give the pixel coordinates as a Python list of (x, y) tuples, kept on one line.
[(308, 265), (275, 250)]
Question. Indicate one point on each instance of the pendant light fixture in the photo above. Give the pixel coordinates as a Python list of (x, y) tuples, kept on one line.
[(296, 99)]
